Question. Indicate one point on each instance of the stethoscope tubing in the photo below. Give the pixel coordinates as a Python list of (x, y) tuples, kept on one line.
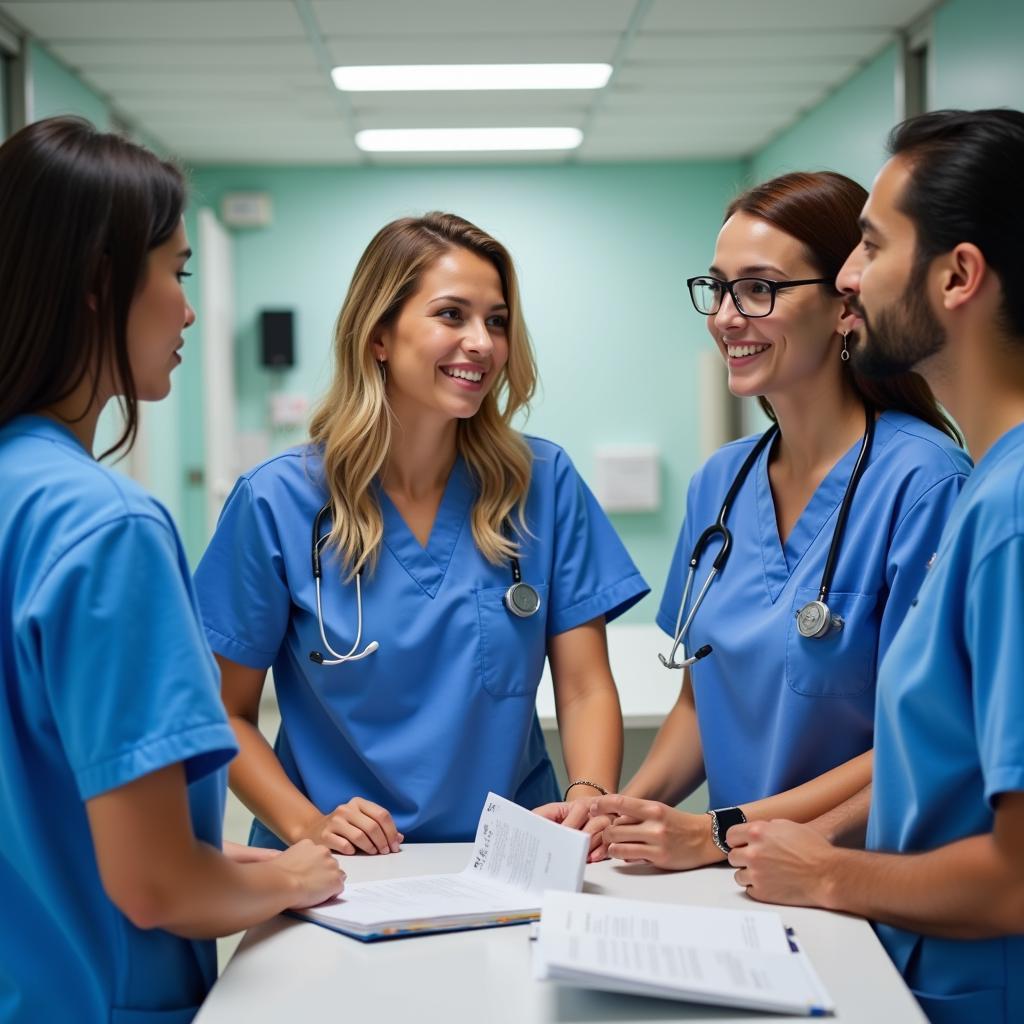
[(719, 529), (521, 599)]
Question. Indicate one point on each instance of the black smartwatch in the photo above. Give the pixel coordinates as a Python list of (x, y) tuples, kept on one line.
[(721, 821)]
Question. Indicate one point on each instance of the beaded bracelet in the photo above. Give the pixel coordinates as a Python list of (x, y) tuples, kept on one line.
[(584, 782)]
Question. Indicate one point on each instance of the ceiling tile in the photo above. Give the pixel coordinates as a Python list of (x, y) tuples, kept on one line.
[(443, 17), (468, 47), (726, 47), (792, 15), (157, 19), (257, 55)]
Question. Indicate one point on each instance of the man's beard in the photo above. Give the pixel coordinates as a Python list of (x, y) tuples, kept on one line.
[(904, 334)]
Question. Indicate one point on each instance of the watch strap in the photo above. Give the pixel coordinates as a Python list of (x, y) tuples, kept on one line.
[(723, 819)]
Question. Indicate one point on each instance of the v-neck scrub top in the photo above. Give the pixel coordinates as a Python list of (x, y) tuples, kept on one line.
[(949, 735), (105, 676), (444, 710), (777, 709)]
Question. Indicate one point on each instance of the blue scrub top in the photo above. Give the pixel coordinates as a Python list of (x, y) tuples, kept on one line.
[(106, 677), (949, 734), (776, 709), (445, 709)]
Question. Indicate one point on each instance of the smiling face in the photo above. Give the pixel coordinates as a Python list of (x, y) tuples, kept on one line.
[(887, 286), (446, 348), (796, 345), (157, 316)]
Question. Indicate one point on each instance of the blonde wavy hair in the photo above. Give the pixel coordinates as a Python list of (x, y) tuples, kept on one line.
[(353, 424)]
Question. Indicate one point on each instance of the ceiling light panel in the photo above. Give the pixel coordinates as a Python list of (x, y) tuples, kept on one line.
[(441, 140), (469, 77)]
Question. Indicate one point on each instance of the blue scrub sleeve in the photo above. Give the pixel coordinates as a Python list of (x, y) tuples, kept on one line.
[(114, 633), (914, 541), (592, 573), (241, 582), (995, 643)]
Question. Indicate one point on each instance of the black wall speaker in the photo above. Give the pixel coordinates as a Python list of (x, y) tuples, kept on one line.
[(277, 337)]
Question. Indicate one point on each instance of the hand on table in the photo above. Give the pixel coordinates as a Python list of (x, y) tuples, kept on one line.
[(576, 814), (780, 861), (315, 870), (360, 826), (652, 832), (247, 854)]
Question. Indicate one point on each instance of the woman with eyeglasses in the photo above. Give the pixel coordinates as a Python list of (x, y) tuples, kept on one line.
[(822, 531)]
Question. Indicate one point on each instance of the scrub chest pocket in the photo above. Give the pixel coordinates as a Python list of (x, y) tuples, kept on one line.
[(510, 650), (841, 664)]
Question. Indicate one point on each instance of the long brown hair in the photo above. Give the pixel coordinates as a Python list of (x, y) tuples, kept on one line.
[(821, 209), (79, 210), (353, 423)]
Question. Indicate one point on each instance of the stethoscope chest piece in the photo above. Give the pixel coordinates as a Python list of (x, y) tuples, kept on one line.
[(815, 620), (522, 600)]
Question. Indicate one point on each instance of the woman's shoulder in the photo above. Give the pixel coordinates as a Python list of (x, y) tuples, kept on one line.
[(60, 502), (548, 457), (542, 448), (299, 467), (724, 463), (70, 490), (911, 445)]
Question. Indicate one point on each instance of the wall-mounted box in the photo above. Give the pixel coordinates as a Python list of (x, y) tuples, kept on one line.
[(288, 410), (246, 209), (627, 478)]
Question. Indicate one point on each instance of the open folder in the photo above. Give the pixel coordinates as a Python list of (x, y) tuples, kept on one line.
[(742, 958), (516, 857)]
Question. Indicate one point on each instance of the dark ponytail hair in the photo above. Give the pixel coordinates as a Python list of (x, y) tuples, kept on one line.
[(960, 162), (821, 209), (80, 210)]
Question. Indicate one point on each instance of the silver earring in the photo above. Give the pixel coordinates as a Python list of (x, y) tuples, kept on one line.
[(383, 364), (845, 354)]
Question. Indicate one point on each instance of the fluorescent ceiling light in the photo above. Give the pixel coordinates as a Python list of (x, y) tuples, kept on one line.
[(436, 140), (470, 77)]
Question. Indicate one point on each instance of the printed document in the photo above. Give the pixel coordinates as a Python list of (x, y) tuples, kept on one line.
[(517, 856), (741, 958)]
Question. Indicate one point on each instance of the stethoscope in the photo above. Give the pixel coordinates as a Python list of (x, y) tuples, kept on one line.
[(815, 619), (521, 599)]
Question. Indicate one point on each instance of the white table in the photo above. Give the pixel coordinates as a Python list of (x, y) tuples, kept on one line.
[(292, 972)]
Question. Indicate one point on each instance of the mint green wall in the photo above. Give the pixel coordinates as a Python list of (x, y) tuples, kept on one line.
[(56, 89), (602, 251), (845, 132), (977, 60), (978, 49)]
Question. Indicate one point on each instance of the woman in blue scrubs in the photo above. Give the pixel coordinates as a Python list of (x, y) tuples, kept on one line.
[(405, 666), (113, 740), (780, 723)]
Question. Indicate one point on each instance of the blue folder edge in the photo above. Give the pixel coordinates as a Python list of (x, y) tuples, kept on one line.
[(409, 933), (813, 1011)]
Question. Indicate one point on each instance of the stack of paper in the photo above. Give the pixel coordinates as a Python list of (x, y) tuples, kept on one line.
[(517, 856), (741, 958)]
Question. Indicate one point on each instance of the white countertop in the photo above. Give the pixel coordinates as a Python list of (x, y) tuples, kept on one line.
[(291, 971), (647, 690)]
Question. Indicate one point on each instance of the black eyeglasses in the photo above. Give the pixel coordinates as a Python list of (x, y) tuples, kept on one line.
[(752, 296)]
